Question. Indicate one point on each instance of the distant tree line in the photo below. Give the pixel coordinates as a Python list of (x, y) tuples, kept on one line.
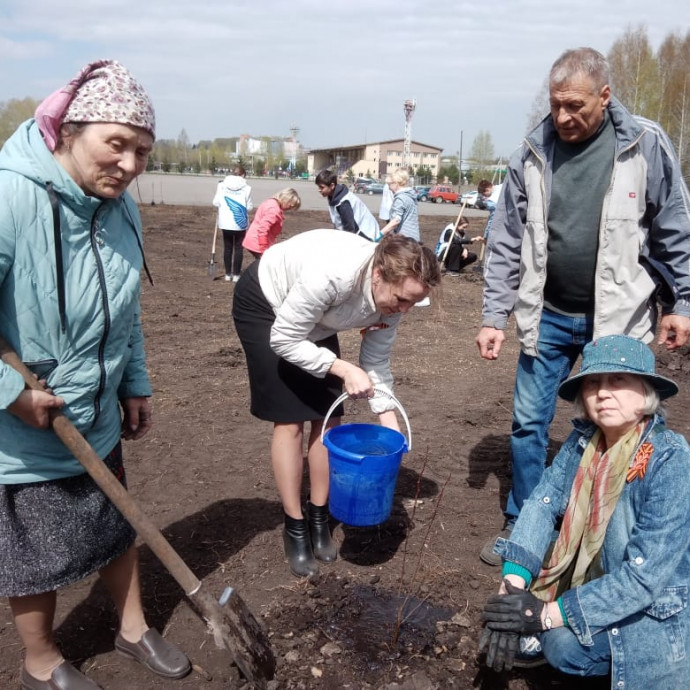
[(218, 156)]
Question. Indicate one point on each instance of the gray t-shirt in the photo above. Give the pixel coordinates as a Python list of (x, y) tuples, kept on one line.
[(581, 178)]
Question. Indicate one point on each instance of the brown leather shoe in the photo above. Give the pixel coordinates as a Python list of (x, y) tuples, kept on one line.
[(64, 677), (158, 655)]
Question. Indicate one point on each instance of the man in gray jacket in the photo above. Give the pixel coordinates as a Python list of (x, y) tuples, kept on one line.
[(591, 231)]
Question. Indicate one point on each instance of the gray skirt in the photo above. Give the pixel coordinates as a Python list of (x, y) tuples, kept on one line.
[(57, 532)]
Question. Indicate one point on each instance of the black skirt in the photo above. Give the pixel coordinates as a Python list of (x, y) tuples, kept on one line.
[(280, 391), (57, 532)]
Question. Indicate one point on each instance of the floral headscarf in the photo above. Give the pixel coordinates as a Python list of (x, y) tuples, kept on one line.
[(103, 91)]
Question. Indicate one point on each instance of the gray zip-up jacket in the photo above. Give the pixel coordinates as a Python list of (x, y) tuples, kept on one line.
[(646, 212)]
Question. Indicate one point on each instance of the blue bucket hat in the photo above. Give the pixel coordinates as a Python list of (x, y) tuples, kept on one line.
[(617, 353)]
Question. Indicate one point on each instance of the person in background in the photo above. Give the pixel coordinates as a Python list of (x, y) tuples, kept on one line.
[(268, 221), (233, 199), (612, 595), (457, 256), (386, 200), (485, 190), (404, 217), (592, 221), (347, 211), (70, 257), (288, 309)]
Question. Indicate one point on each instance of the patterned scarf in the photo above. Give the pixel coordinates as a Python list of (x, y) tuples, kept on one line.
[(598, 484)]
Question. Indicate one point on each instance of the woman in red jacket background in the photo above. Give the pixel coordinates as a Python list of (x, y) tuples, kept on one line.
[(268, 221)]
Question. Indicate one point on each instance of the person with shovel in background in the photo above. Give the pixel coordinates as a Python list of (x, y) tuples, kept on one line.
[(456, 256), (288, 309), (70, 257), (233, 199)]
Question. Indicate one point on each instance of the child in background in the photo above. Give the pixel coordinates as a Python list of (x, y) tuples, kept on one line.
[(233, 200), (486, 200), (347, 211), (268, 221)]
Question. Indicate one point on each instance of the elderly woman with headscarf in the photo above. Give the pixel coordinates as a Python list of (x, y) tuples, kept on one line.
[(70, 256), (612, 595)]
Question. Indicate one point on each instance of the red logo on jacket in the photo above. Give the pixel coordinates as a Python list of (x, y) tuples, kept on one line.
[(375, 327)]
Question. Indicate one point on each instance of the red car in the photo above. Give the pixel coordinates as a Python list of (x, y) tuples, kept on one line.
[(441, 192)]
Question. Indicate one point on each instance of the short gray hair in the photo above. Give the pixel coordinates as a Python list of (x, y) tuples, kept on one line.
[(652, 402), (586, 61)]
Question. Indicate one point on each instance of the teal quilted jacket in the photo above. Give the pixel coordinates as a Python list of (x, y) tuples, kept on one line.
[(93, 355)]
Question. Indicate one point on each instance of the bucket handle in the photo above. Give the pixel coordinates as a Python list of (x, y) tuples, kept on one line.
[(377, 391)]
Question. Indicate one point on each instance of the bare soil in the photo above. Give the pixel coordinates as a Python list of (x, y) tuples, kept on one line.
[(203, 474)]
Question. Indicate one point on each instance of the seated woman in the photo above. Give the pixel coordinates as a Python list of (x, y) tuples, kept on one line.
[(288, 309), (612, 598)]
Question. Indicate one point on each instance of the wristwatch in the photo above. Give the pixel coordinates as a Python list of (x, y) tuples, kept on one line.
[(548, 623)]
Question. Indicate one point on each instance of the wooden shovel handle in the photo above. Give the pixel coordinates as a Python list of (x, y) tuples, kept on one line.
[(105, 479), (215, 235)]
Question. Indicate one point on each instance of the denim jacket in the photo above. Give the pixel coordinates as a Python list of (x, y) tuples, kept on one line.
[(642, 599)]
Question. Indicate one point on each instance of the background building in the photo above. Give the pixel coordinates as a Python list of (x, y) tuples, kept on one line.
[(375, 159)]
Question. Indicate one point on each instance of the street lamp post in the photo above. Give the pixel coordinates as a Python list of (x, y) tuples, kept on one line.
[(460, 161)]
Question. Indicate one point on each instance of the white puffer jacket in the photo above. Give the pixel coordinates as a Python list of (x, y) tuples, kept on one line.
[(319, 283), (234, 201)]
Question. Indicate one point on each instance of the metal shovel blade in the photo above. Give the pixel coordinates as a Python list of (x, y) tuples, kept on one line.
[(212, 266), (234, 628), (230, 620)]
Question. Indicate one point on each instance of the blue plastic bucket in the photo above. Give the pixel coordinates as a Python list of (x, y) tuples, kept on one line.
[(364, 460)]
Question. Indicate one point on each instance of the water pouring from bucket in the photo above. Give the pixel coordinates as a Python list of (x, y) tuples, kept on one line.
[(363, 461)]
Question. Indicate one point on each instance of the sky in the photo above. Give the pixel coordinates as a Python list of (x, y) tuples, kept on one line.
[(339, 70)]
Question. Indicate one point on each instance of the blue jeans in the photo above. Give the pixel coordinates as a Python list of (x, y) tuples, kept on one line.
[(564, 652), (561, 341)]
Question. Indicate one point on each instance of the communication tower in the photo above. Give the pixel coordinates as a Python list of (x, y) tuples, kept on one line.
[(409, 107)]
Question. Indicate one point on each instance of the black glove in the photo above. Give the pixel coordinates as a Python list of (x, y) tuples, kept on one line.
[(501, 648), (518, 611)]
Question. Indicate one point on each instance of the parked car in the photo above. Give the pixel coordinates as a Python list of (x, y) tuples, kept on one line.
[(360, 182), (422, 192), (468, 198), (372, 188), (440, 193)]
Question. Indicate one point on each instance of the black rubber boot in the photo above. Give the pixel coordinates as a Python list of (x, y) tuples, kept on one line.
[(323, 545), (298, 547)]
